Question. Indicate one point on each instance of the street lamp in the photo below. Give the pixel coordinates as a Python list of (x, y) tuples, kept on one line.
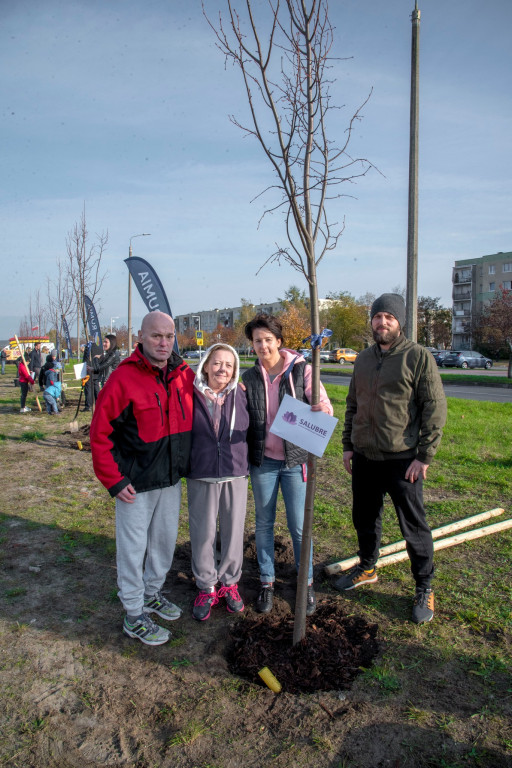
[(111, 321), (143, 234)]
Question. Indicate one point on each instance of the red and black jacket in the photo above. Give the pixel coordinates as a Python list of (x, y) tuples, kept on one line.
[(141, 429)]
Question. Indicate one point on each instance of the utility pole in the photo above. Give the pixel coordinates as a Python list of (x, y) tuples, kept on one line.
[(412, 229)]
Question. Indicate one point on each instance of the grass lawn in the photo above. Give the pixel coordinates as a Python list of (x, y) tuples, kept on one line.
[(76, 692)]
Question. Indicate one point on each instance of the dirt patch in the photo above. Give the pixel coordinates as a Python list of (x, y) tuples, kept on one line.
[(332, 654)]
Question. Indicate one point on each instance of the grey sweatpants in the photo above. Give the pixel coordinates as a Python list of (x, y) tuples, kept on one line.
[(147, 528), (206, 502)]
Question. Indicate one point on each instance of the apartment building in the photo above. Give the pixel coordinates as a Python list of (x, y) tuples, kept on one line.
[(208, 320), (475, 282)]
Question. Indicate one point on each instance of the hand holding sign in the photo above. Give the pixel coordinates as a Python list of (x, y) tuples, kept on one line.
[(297, 423)]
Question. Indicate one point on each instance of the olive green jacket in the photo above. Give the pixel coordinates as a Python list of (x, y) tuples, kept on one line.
[(396, 407)]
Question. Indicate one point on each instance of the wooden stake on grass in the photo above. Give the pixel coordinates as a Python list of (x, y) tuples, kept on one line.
[(450, 541), (344, 565)]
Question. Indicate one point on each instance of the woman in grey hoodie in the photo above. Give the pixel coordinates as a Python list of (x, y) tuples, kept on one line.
[(218, 479)]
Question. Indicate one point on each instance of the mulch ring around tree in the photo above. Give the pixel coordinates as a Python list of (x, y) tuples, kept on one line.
[(331, 655)]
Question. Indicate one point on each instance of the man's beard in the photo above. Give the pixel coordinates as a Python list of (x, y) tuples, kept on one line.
[(385, 336)]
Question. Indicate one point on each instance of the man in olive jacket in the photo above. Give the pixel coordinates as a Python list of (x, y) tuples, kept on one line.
[(396, 411)]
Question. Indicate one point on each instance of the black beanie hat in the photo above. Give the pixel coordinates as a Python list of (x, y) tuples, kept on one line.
[(393, 304)]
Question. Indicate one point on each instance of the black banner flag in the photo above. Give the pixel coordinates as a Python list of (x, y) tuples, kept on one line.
[(150, 288), (68, 337), (92, 321)]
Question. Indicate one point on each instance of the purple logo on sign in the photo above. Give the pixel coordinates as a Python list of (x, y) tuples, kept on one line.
[(290, 417)]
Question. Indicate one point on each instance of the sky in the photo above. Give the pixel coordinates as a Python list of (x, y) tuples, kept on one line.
[(121, 109)]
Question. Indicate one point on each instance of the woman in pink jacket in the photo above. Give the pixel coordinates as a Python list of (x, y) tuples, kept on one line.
[(274, 462)]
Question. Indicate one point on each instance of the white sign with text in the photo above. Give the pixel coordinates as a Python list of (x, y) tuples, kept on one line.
[(297, 423)]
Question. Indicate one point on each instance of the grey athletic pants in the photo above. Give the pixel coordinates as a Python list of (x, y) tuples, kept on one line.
[(147, 528), (206, 502)]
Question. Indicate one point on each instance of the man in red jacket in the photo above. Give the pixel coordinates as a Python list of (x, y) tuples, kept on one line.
[(140, 442)]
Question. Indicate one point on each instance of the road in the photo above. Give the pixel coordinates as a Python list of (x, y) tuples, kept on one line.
[(464, 391)]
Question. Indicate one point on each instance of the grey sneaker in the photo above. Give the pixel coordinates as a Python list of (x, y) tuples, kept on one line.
[(234, 602), (146, 631), (162, 607), (26, 409), (423, 607), (355, 577)]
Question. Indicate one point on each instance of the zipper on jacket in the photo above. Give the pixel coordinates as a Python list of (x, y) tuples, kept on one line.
[(374, 397), (181, 404), (160, 406)]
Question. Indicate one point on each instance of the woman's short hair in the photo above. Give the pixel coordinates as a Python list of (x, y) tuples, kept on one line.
[(268, 323), (225, 348)]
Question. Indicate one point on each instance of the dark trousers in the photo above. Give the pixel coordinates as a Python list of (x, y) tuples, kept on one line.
[(88, 392), (23, 393), (371, 480)]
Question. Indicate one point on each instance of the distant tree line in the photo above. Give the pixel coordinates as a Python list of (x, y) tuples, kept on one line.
[(346, 316)]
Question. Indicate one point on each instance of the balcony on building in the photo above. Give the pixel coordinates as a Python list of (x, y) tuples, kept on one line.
[(463, 276)]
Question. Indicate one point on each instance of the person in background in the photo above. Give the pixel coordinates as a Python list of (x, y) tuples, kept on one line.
[(26, 383), (218, 479), (396, 411), (34, 361), (50, 361), (103, 365), (92, 385), (140, 444), (273, 462), (53, 389), (3, 359)]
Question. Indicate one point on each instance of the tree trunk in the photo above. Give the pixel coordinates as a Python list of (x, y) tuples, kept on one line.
[(299, 626)]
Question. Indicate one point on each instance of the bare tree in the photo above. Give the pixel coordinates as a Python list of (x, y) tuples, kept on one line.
[(37, 314), (83, 267), (284, 60), (60, 299), (24, 327)]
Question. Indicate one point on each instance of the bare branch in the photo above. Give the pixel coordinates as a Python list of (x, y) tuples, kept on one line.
[(84, 265)]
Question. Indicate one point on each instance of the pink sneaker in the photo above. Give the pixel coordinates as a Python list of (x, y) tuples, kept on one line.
[(204, 603), (234, 602)]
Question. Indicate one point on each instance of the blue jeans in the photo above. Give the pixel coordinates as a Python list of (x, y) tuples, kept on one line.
[(51, 403), (265, 482)]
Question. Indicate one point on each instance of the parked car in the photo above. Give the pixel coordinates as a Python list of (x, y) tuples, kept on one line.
[(195, 354), (343, 355), (324, 355), (466, 359), (440, 354)]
